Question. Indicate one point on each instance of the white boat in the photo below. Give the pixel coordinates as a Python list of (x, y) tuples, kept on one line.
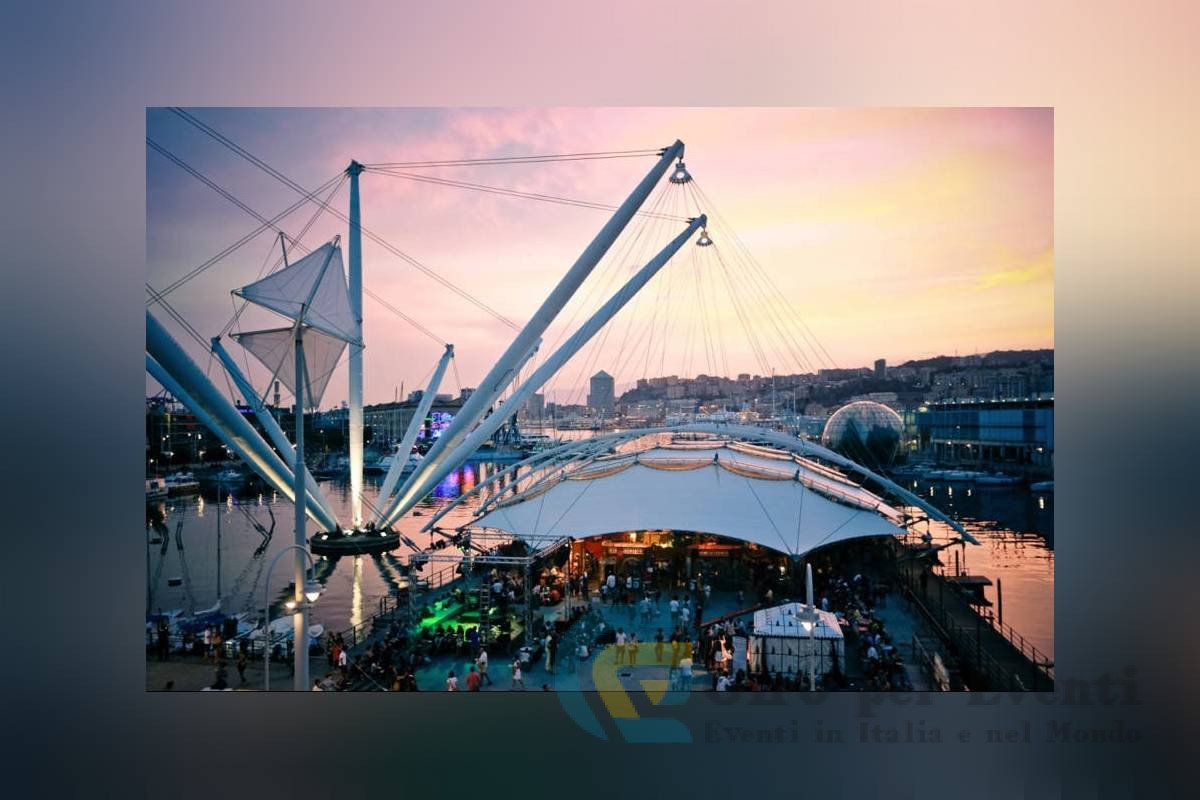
[(1042, 486), (182, 483), (997, 479), (155, 488), (281, 631), (385, 464)]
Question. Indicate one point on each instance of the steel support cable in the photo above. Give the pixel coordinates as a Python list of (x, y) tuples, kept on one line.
[(633, 245), (751, 336), (755, 349), (232, 248), (271, 223), (750, 300), (712, 287), (705, 329), (776, 319), (777, 295), (647, 331), (515, 193), (805, 332), (766, 513), (297, 243), (774, 298), (632, 314), (505, 160), (245, 154), (662, 303)]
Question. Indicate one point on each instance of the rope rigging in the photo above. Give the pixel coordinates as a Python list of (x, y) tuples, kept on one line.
[(507, 192), (533, 159), (279, 176)]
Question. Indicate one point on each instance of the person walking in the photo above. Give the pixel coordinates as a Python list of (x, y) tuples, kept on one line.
[(241, 665), (658, 646), (516, 675), (482, 663)]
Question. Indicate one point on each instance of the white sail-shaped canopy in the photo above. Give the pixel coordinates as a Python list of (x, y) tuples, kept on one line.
[(314, 286), (740, 500), (274, 349)]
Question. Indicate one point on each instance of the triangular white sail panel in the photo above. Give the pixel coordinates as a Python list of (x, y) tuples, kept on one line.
[(274, 349), (287, 290)]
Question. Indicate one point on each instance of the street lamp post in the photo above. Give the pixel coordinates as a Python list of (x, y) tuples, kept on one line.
[(312, 590)]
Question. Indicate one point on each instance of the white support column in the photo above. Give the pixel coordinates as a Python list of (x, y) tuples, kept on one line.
[(400, 458), (354, 285), (172, 367), (300, 629), (551, 365), (269, 424), (504, 370)]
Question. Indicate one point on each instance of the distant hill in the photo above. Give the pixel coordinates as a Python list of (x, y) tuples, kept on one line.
[(996, 358)]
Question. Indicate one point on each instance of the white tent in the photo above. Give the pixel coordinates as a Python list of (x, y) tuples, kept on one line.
[(705, 496), (785, 640)]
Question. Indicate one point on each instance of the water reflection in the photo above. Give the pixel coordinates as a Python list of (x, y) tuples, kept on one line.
[(1014, 525)]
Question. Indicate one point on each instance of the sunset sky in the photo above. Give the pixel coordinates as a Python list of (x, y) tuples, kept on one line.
[(893, 233)]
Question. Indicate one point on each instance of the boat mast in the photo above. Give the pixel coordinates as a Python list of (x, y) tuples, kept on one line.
[(354, 279)]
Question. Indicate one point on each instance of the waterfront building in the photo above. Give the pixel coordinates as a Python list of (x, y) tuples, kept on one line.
[(388, 421), (1013, 435)]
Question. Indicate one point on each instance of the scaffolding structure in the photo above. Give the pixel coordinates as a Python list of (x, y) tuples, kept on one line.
[(484, 554)]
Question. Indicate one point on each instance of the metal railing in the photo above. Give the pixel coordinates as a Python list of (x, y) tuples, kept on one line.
[(966, 642), (389, 604), (1014, 638)]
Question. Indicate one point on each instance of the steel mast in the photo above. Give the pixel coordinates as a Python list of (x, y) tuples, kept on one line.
[(354, 280)]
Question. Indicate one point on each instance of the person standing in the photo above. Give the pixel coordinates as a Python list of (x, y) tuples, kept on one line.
[(620, 646), (633, 648), (241, 664), (451, 682), (658, 646), (482, 662), (516, 675), (473, 680)]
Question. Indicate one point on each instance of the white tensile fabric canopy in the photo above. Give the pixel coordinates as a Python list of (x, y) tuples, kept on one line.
[(782, 514), (275, 349), (317, 280)]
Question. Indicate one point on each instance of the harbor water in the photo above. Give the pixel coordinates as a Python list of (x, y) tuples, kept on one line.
[(1013, 524)]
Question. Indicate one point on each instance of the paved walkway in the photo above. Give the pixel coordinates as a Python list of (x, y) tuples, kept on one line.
[(588, 675), (194, 674)]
